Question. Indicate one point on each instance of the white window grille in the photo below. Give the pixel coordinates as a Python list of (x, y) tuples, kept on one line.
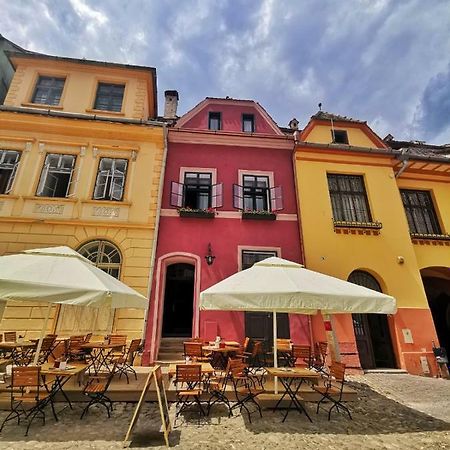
[(110, 183), (9, 162), (57, 176)]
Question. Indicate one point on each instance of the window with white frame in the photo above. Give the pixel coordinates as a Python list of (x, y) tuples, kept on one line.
[(9, 162), (104, 255), (110, 182), (255, 194), (250, 257), (57, 176)]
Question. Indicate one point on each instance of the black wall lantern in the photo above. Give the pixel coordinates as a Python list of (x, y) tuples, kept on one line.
[(209, 256)]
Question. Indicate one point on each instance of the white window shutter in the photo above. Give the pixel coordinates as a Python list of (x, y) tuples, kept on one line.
[(217, 195), (276, 198), (10, 183), (238, 196), (177, 194), (42, 181), (73, 183), (100, 184)]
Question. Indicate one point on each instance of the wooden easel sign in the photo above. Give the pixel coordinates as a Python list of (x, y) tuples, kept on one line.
[(156, 375)]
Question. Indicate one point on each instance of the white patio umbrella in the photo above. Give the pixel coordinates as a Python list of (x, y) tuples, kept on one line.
[(61, 275), (278, 285)]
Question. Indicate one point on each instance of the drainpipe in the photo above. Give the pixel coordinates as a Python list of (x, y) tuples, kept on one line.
[(299, 221), (156, 231), (405, 163)]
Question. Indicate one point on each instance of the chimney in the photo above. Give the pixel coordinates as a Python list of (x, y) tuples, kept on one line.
[(171, 104), (293, 124)]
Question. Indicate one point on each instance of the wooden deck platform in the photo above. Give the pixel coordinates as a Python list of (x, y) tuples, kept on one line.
[(120, 391)]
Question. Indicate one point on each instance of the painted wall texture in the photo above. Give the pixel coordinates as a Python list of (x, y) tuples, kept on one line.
[(30, 221), (339, 251)]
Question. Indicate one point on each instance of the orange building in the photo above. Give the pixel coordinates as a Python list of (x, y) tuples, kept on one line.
[(380, 217)]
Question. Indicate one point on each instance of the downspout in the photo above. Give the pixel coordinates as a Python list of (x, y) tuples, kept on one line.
[(156, 231), (299, 221), (405, 163)]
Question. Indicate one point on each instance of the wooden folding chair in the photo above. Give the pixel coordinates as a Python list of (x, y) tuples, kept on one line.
[(301, 356), (27, 399), (320, 357), (333, 389), (96, 389), (74, 350), (125, 361), (46, 349), (217, 386), (194, 351), (187, 381)]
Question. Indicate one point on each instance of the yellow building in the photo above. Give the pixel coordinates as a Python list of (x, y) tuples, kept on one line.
[(81, 157), (353, 192)]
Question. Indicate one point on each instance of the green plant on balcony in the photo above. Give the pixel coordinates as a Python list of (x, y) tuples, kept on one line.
[(196, 212), (262, 214)]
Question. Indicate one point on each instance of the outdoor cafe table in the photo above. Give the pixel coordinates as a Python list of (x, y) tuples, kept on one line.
[(289, 376), (207, 368), (61, 377), (101, 351), (220, 355), (17, 350)]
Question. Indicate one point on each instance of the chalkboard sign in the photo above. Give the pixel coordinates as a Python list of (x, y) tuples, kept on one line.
[(156, 375)]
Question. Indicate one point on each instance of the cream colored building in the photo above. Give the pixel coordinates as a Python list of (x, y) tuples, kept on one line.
[(81, 156)]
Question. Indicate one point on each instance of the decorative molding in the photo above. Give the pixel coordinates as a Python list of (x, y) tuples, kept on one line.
[(48, 209), (41, 147), (105, 211), (2, 204), (28, 146), (83, 150)]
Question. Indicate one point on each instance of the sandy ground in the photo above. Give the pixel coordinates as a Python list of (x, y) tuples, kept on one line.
[(392, 411)]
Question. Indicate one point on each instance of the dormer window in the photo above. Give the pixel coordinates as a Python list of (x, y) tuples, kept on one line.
[(48, 91), (248, 123), (215, 121), (109, 97), (339, 137)]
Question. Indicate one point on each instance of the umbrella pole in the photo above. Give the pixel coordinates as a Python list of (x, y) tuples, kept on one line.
[(41, 337), (275, 349)]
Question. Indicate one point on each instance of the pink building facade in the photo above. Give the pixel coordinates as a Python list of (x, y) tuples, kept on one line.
[(228, 201)]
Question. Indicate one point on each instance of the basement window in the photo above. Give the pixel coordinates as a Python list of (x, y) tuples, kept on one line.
[(57, 176)]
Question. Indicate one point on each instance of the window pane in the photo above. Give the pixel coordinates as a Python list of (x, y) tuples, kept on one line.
[(420, 212), (48, 90), (251, 257), (109, 97)]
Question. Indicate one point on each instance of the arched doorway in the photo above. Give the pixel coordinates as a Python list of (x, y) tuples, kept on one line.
[(80, 319), (372, 334), (436, 281), (178, 300)]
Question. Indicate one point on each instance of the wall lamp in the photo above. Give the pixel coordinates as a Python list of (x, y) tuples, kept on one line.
[(209, 256)]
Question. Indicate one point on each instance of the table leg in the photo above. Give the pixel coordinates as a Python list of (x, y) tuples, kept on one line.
[(299, 407)]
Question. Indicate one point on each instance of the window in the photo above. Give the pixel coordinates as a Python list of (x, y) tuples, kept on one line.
[(250, 257), (56, 176), (109, 97), (420, 212), (48, 90), (256, 195), (110, 182), (348, 198), (104, 255), (248, 123), (339, 136), (215, 121), (9, 162)]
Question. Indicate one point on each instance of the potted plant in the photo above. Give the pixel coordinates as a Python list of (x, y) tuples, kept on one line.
[(258, 214), (205, 213)]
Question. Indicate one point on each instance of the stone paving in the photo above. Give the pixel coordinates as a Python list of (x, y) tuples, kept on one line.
[(392, 412)]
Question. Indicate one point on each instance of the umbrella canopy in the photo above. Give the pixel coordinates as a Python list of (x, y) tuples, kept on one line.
[(279, 285), (61, 275)]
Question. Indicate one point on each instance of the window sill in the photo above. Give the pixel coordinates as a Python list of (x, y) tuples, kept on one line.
[(107, 202), (255, 216), (41, 106), (430, 237), (5, 196), (197, 214), (105, 112), (50, 199)]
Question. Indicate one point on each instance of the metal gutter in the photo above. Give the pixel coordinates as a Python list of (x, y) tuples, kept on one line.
[(67, 115)]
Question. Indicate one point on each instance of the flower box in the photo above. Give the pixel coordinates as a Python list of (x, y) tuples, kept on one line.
[(200, 214), (259, 216)]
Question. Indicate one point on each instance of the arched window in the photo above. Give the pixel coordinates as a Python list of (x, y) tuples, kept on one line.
[(364, 279), (104, 255)]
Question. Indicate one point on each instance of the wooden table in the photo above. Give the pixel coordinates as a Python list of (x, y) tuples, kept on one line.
[(61, 377), (100, 354), (288, 376), (207, 368), (219, 355), (18, 350)]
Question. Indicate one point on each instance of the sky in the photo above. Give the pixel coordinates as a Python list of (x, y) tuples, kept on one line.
[(383, 61)]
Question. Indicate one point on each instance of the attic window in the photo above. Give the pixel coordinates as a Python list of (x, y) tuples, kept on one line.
[(215, 122), (248, 123), (339, 137), (48, 90)]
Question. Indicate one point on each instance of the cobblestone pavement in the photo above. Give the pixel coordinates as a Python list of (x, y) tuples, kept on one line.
[(383, 417)]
